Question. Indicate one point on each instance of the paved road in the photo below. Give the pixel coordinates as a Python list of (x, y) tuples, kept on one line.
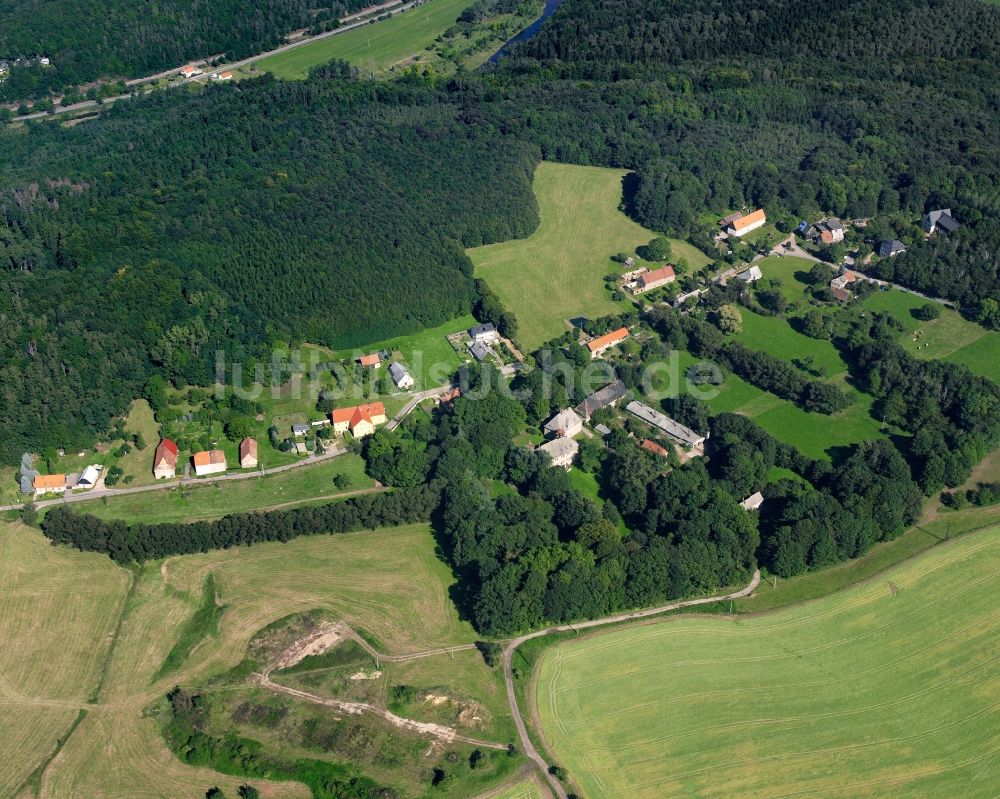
[(508, 654), (415, 400), (138, 82)]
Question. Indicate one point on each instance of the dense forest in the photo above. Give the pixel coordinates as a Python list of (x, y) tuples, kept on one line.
[(336, 211), (89, 39)]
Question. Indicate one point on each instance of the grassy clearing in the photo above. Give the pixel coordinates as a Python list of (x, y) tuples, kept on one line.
[(372, 48), (308, 484), (796, 701), (950, 337), (427, 354), (790, 271), (558, 272)]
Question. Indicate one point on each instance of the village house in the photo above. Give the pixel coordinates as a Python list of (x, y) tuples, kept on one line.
[(221, 76), (190, 71), (248, 453), (678, 432), (654, 279), (890, 248), (751, 275), (603, 343), (561, 451), (49, 484), (651, 446), (605, 398), (839, 286), (484, 334), (360, 420), (165, 460), (371, 361), (209, 461), (940, 220), (300, 429), (753, 502), (564, 424), (479, 350), (401, 376), (88, 477), (830, 231), (739, 224)]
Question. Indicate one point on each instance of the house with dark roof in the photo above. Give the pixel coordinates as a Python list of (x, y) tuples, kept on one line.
[(890, 248), (479, 350), (940, 220), (605, 398), (401, 376), (674, 429), (484, 333)]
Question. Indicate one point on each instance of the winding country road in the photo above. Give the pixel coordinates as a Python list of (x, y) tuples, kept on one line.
[(508, 654)]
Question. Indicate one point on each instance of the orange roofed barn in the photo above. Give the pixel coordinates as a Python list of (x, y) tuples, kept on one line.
[(49, 484), (371, 361), (744, 224), (361, 420), (248, 453), (210, 461), (602, 343)]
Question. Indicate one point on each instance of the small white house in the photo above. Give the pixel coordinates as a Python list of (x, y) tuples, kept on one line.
[(751, 275), (401, 376), (88, 478)]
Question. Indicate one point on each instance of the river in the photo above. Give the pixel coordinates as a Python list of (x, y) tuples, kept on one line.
[(527, 33)]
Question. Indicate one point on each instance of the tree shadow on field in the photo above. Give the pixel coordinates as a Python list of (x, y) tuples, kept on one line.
[(461, 591), (630, 188)]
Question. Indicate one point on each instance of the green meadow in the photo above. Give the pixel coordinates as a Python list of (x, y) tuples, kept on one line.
[(558, 272), (888, 688), (372, 48)]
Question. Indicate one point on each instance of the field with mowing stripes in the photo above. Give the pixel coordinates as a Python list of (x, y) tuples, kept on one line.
[(68, 646), (888, 688)]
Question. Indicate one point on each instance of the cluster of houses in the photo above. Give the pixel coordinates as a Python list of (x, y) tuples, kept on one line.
[(205, 462), (561, 429), (61, 483), (7, 64), (826, 231)]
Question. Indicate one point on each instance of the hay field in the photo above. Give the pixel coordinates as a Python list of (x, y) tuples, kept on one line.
[(59, 610), (888, 688), (372, 48), (558, 272)]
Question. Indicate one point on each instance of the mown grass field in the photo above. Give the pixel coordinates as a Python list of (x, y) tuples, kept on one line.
[(889, 688), (305, 485), (523, 790), (950, 337), (59, 611), (372, 48), (557, 273)]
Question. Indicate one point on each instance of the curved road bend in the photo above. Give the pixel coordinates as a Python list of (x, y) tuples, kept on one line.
[(508, 654)]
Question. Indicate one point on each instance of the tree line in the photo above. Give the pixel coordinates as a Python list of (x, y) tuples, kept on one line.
[(130, 543)]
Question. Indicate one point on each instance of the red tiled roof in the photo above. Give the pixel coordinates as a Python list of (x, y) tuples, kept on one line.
[(209, 457), (49, 481), (166, 450), (651, 446), (248, 446), (664, 273), (355, 414), (370, 360), (608, 339)]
